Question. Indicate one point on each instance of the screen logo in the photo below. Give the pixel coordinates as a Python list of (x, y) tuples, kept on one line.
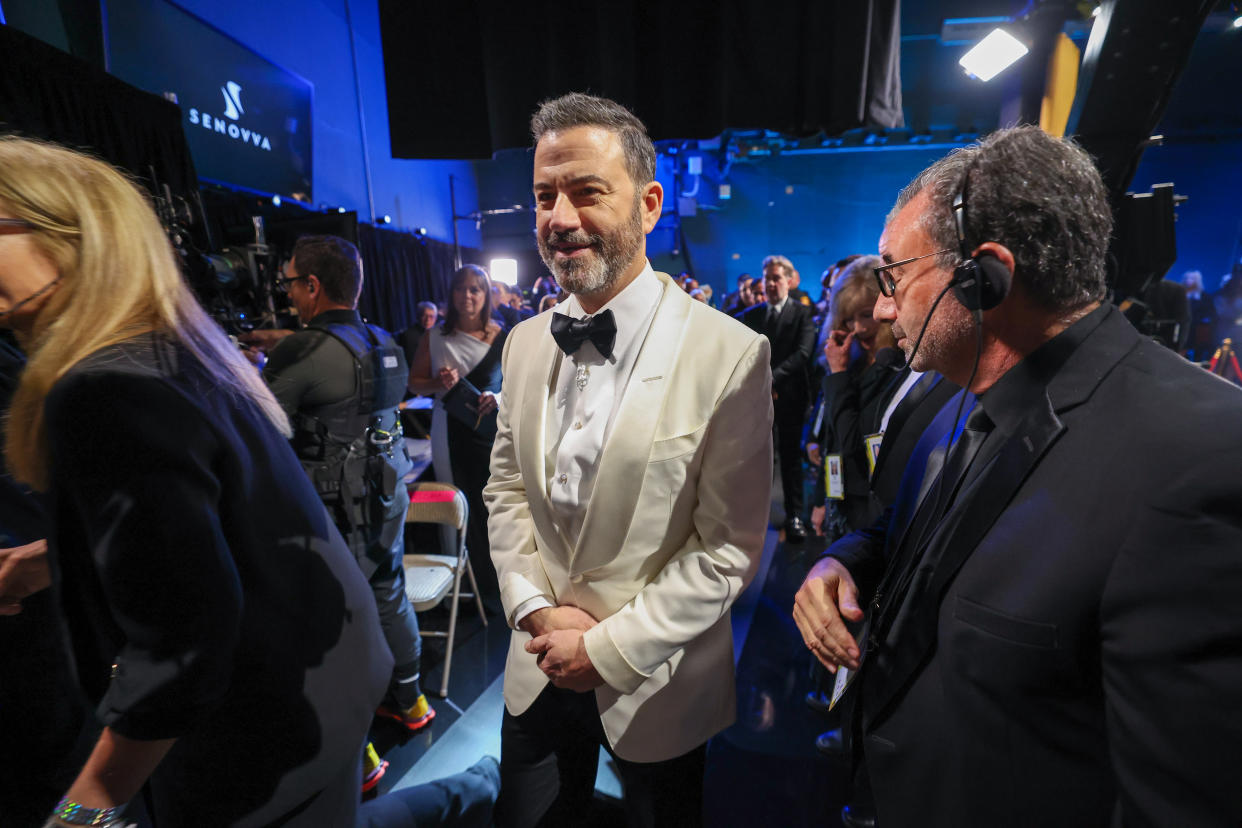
[(232, 100), (226, 124)]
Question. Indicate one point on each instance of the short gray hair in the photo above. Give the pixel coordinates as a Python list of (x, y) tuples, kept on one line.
[(780, 261), (577, 109), (1040, 196)]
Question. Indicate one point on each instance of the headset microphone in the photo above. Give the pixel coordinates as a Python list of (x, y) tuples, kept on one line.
[(927, 321)]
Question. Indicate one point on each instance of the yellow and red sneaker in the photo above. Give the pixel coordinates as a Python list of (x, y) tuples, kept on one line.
[(414, 718)]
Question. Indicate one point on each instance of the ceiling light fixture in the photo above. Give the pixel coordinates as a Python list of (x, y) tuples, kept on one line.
[(992, 55)]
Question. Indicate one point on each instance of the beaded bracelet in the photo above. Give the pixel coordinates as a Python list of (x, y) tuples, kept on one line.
[(72, 813)]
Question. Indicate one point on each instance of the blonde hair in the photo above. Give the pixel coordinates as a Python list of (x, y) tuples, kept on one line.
[(856, 288), (118, 279)]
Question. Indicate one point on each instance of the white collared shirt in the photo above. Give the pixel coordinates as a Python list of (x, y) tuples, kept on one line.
[(584, 405), (906, 385), (580, 418)]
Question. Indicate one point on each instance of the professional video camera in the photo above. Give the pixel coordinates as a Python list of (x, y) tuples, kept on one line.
[(237, 284), (1144, 248)]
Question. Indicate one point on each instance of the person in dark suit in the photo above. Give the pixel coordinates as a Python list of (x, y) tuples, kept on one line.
[(1199, 344), (789, 327), (408, 339), (737, 301), (1052, 612)]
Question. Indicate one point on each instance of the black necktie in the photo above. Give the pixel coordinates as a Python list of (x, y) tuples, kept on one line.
[(909, 573), (769, 322), (978, 426), (570, 333)]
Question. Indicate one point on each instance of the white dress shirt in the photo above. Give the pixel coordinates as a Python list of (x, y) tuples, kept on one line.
[(586, 396), (900, 395)]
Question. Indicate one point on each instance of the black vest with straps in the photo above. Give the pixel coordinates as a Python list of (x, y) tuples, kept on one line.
[(354, 449)]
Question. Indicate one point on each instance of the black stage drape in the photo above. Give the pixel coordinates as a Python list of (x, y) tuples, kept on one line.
[(46, 93), (464, 77), (401, 270)]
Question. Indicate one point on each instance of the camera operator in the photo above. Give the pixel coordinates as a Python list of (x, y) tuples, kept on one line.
[(340, 381)]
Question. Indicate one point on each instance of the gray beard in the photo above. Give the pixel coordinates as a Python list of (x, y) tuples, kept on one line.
[(599, 270), (950, 326)]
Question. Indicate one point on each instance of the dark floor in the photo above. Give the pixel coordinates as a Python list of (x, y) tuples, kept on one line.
[(762, 771)]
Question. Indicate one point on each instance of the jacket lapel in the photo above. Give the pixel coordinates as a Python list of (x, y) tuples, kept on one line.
[(956, 539), (623, 462), (537, 384)]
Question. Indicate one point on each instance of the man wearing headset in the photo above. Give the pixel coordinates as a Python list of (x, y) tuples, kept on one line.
[(1047, 630)]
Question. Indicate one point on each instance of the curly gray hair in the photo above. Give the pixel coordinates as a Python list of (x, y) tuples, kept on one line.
[(1040, 196)]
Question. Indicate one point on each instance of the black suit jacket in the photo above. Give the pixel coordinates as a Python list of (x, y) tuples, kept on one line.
[(792, 342), (1075, 658), (207, 594)]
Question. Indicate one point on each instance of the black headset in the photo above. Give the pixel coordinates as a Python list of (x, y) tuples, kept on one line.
[(980, 282)]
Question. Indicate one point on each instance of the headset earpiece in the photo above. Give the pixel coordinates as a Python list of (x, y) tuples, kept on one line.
[(980, 282)]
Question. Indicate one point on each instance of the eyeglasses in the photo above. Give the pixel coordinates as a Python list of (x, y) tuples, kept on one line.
[(888, 285), (15, 226), (284, 282)]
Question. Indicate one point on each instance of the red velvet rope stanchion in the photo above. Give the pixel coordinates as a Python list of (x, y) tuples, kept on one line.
[(1225, 359)]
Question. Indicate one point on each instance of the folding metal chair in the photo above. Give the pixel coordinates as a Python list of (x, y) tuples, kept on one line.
[(429, 579)]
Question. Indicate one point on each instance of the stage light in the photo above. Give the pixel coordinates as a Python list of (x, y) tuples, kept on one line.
[(276, 200), (992, 55), (422, 231), (340, 209), (504, 270), (387, 219), (1237, 22)]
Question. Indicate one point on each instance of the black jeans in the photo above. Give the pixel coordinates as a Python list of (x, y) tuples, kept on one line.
[(548, 760)]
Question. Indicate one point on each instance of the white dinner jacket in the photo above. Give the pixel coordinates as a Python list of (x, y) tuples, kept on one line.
[(671, 534)]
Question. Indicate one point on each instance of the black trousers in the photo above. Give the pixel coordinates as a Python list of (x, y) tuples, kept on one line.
[(787, 421), (548, 760)]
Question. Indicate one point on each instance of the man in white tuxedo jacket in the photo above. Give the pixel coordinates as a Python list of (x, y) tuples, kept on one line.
[(619, 511)]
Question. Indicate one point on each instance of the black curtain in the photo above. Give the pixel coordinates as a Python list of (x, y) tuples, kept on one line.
[(45, 93), (464, 77), (401, 270)]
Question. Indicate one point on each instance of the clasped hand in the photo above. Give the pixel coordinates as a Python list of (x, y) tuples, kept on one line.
[(447, 377), (559, 646)]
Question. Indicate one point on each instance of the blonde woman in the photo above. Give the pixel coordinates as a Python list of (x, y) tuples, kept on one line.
[(217, 619), (862, 362)]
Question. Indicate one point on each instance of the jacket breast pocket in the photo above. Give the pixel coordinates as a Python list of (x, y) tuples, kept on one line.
[(1004, 652), (1008, 627), (671, 448)]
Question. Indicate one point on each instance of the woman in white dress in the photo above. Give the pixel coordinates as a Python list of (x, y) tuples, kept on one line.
[(466, 346)]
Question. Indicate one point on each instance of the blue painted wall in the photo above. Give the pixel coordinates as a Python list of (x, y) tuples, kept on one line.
[(814, 209), (312, 39)]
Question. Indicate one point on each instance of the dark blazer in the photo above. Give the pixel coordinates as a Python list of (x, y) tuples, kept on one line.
[(792, 342), (208, 597), (1075, 658)]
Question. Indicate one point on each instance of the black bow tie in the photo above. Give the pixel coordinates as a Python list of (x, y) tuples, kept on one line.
[(570, 333)]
